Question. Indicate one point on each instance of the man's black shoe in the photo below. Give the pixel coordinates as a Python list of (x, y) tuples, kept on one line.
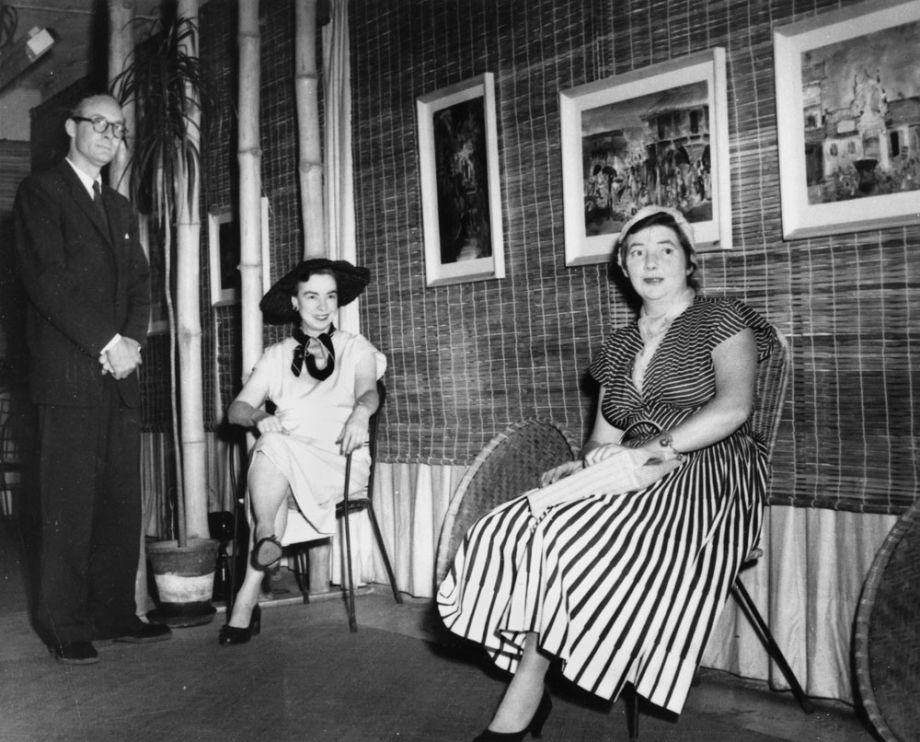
[(141, 632), (75, 653)]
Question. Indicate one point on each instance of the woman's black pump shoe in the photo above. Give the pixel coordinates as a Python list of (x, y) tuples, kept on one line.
[(234, 635), (535, 727)]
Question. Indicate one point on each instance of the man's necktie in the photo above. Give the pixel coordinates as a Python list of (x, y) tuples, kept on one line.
[(97, 200)]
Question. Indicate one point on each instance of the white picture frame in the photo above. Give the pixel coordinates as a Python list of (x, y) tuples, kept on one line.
[(654, 135), (460, 188), (847, 93)]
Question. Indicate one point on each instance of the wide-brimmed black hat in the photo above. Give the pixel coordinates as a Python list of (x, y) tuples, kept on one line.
[(350, 282)]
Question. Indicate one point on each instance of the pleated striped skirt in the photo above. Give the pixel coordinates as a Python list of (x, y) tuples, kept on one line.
[(621, 588)]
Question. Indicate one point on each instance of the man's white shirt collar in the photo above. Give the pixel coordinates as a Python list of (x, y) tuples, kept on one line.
[(86, 180)]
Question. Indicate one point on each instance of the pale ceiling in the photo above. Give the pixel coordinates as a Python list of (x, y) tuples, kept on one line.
[(79, 28)]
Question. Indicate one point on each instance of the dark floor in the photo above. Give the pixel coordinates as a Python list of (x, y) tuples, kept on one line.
[(306, 677)]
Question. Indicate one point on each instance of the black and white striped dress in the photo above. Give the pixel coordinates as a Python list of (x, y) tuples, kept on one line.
[(625, 588)]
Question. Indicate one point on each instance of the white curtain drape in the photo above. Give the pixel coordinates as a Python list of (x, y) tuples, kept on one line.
[(339, 207), (338, 175), (807, 588)]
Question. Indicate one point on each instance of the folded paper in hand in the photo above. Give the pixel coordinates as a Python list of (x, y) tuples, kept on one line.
[(614, 475)]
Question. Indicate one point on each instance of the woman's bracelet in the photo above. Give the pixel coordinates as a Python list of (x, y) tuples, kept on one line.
[(667, 441)]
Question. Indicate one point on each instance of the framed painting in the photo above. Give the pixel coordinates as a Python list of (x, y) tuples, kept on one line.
[(848, 119), (658, 135), (461, 203), (224, 254)]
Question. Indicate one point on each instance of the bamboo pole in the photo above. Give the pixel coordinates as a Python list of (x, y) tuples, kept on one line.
[(310, 169), (121, 46), (188, 279), (249, 156), (310, 166)]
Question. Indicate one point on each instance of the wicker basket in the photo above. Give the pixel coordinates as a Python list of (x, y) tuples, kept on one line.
[(508, 466), (886, 642)]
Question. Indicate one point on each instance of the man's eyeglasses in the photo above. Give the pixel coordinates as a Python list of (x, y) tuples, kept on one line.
[(101, 125)]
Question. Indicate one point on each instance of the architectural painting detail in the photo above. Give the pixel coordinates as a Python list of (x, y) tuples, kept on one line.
[(870, 143), (658, 135), (662, 156), (848, 119)]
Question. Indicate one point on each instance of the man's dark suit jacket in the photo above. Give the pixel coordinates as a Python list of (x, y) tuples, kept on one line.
[(85, 280)]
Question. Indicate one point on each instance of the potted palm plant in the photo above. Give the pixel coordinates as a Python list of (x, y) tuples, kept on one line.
[(163, 78)]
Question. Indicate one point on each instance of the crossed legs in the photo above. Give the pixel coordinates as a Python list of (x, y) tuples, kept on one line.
[(268, 491)]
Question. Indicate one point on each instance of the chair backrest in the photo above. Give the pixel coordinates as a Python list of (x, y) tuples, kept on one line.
[(510, 465), (772, 381)]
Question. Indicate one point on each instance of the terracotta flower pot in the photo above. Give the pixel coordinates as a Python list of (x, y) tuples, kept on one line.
[(185, 580)]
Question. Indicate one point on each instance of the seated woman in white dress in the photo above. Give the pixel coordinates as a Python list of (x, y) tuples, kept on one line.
[(623, 584), (322, 382)]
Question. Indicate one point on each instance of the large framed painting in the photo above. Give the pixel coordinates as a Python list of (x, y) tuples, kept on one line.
[(657, 135), (461, 203), (848, 119)]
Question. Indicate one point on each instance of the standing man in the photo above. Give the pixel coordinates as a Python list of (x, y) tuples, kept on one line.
[(88, 287)]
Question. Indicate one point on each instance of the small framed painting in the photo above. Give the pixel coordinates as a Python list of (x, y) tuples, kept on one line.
[(657, 135), (461, 203), (224, 253)]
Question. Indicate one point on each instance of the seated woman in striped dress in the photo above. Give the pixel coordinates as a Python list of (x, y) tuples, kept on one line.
[(625, 586)]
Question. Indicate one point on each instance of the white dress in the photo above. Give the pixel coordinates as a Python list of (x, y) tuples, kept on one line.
[(312, 413)]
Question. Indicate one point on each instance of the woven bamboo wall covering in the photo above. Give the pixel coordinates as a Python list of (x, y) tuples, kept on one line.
[(467, 360)]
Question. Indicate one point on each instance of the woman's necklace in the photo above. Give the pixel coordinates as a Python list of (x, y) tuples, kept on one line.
[(652, 328), (652, 331)]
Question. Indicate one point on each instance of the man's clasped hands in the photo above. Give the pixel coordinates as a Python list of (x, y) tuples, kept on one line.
[(121, 357)]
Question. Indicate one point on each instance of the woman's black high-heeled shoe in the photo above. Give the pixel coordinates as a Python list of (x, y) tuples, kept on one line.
[(535, 727), (235, 635)]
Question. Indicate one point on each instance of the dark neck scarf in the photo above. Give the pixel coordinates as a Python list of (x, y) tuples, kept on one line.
[(300, 354)]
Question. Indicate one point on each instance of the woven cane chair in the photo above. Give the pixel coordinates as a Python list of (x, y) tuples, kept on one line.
[(508, 466), (772, 381), (886, 641)]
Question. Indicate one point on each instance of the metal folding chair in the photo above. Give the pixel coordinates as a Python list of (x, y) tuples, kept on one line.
[(348, 506)]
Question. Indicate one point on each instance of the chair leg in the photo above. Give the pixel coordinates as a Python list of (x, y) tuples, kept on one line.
[(237, 528), (350, 598), (302, 571), (383, 552), (631, 700), (766, 637)]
